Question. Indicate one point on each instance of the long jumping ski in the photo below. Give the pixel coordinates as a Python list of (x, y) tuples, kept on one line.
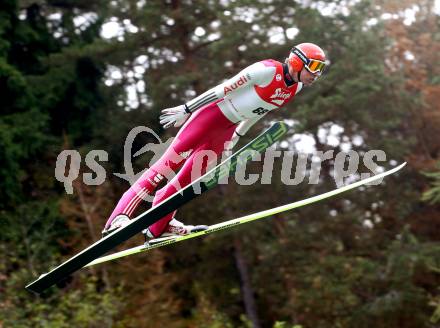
[(204, 183), (244, 219)]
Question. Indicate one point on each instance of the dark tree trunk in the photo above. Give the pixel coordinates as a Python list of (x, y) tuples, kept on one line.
[(245, 280), (246, 286)]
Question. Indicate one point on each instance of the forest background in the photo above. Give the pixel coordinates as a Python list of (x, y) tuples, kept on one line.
[(81, 74)]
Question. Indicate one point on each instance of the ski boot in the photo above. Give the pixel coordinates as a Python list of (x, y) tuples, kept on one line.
[(174, 229), (118, 222)]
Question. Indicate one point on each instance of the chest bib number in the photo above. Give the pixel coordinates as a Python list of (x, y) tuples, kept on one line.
[(260, 111)]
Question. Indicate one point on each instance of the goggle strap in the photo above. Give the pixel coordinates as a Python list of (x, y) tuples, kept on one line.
[(301, 55)]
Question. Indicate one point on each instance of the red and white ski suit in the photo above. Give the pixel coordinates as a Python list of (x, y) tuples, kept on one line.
[(234, 105)]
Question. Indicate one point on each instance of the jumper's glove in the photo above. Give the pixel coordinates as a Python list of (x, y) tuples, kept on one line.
[(231, 144), (174, 116)]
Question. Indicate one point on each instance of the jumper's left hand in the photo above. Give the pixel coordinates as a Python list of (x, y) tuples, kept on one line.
[(173, 116)]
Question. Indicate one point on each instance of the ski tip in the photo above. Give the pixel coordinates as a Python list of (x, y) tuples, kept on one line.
[(397, 168), (391, 171)]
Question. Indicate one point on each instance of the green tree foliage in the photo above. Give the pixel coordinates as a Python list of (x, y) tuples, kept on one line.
[(40, 103), (433, 194), (369, 258)]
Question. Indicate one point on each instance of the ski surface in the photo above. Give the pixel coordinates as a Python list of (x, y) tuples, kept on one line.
[(247, 218), (160, 240), (204, 183)]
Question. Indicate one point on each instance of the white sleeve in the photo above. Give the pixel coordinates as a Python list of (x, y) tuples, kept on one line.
[(255, 74), (200, 101)]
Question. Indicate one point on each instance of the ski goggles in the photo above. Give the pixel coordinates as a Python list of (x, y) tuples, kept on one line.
[(314, 66)]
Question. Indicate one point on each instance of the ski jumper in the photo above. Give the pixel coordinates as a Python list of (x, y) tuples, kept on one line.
[(234, 105)]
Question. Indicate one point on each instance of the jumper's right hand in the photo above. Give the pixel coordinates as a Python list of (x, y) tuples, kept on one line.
[(173, 116)]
